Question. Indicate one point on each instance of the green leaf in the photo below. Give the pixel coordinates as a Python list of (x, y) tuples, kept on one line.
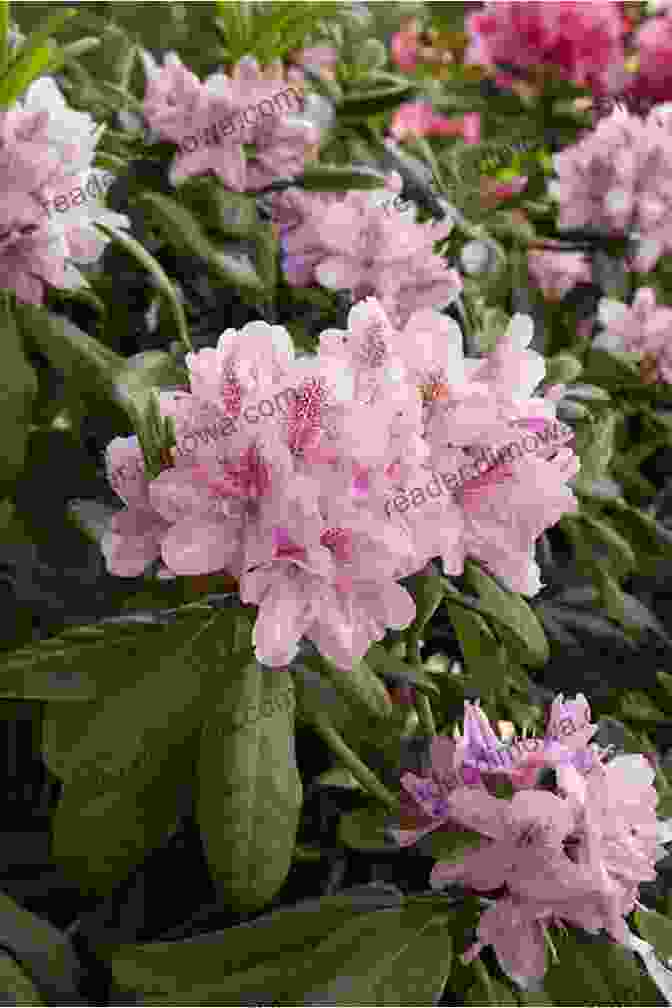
[(249, 787), (595, 445), (4, 35), (511, 612), (358, 685), (165, 287), (419, 975), (634, 705), (44, 953), (451, 845), (348, 967), (230, 214), (123, 795), (364, 829), (18, 390), (484, 656), (616, 372), (270, 938), (386, 663), (361, 104), (427, 591), (618, 547), (333, 178), (563, 368), (15, 984), (656, 930), (35, 55), (583, 983)]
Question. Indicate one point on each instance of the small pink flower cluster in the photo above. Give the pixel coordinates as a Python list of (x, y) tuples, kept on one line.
[(618, 180), (644, 328), (177, 105), (46, 148), (574, 849), (582, 41), (419, 119), (294, 508), (353, 243), (555, 273)]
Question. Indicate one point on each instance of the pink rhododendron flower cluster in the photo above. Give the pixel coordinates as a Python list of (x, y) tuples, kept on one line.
[(293, 506), (574, 848), (644, 328), (47, 152), (583, 42), (361, 243), (420, 119), (618, 180), (555, 273), (214, 121)]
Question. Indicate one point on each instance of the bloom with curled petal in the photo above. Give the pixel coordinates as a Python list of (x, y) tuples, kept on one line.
[(644, 328)]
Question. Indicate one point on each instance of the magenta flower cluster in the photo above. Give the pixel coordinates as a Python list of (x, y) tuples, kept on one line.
[(582, 42), (294, 508), (572, 850)]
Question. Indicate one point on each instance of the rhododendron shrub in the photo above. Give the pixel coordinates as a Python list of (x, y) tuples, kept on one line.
[(368, 394)]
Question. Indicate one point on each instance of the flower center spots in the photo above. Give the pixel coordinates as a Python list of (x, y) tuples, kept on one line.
[(285, 547), (374, 348), (339, 541), (231, 394), (306, 415)]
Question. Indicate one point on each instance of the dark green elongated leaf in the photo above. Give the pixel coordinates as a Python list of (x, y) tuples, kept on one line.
[(176, 224), (358, 685), (232, 215), (4, 35), (32, 57), (334, 178), (511, 612), (484, 656), (75, 658), (153, 368), (493, 993), (43, 952), (635, 706), (627, 610), (427, 590), (362, 104), (18, 390), (347, 967), (420, 974), (268, 938), (595, 445), (620, 968), (611, 370), (124, 793), (606, 536), (657, 931), (249, 787), (163, 284), (452, 845), (15, 985), (364, 828), (562, 368), (266, 259), (152, 705), (386, 663), (584, 983)]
